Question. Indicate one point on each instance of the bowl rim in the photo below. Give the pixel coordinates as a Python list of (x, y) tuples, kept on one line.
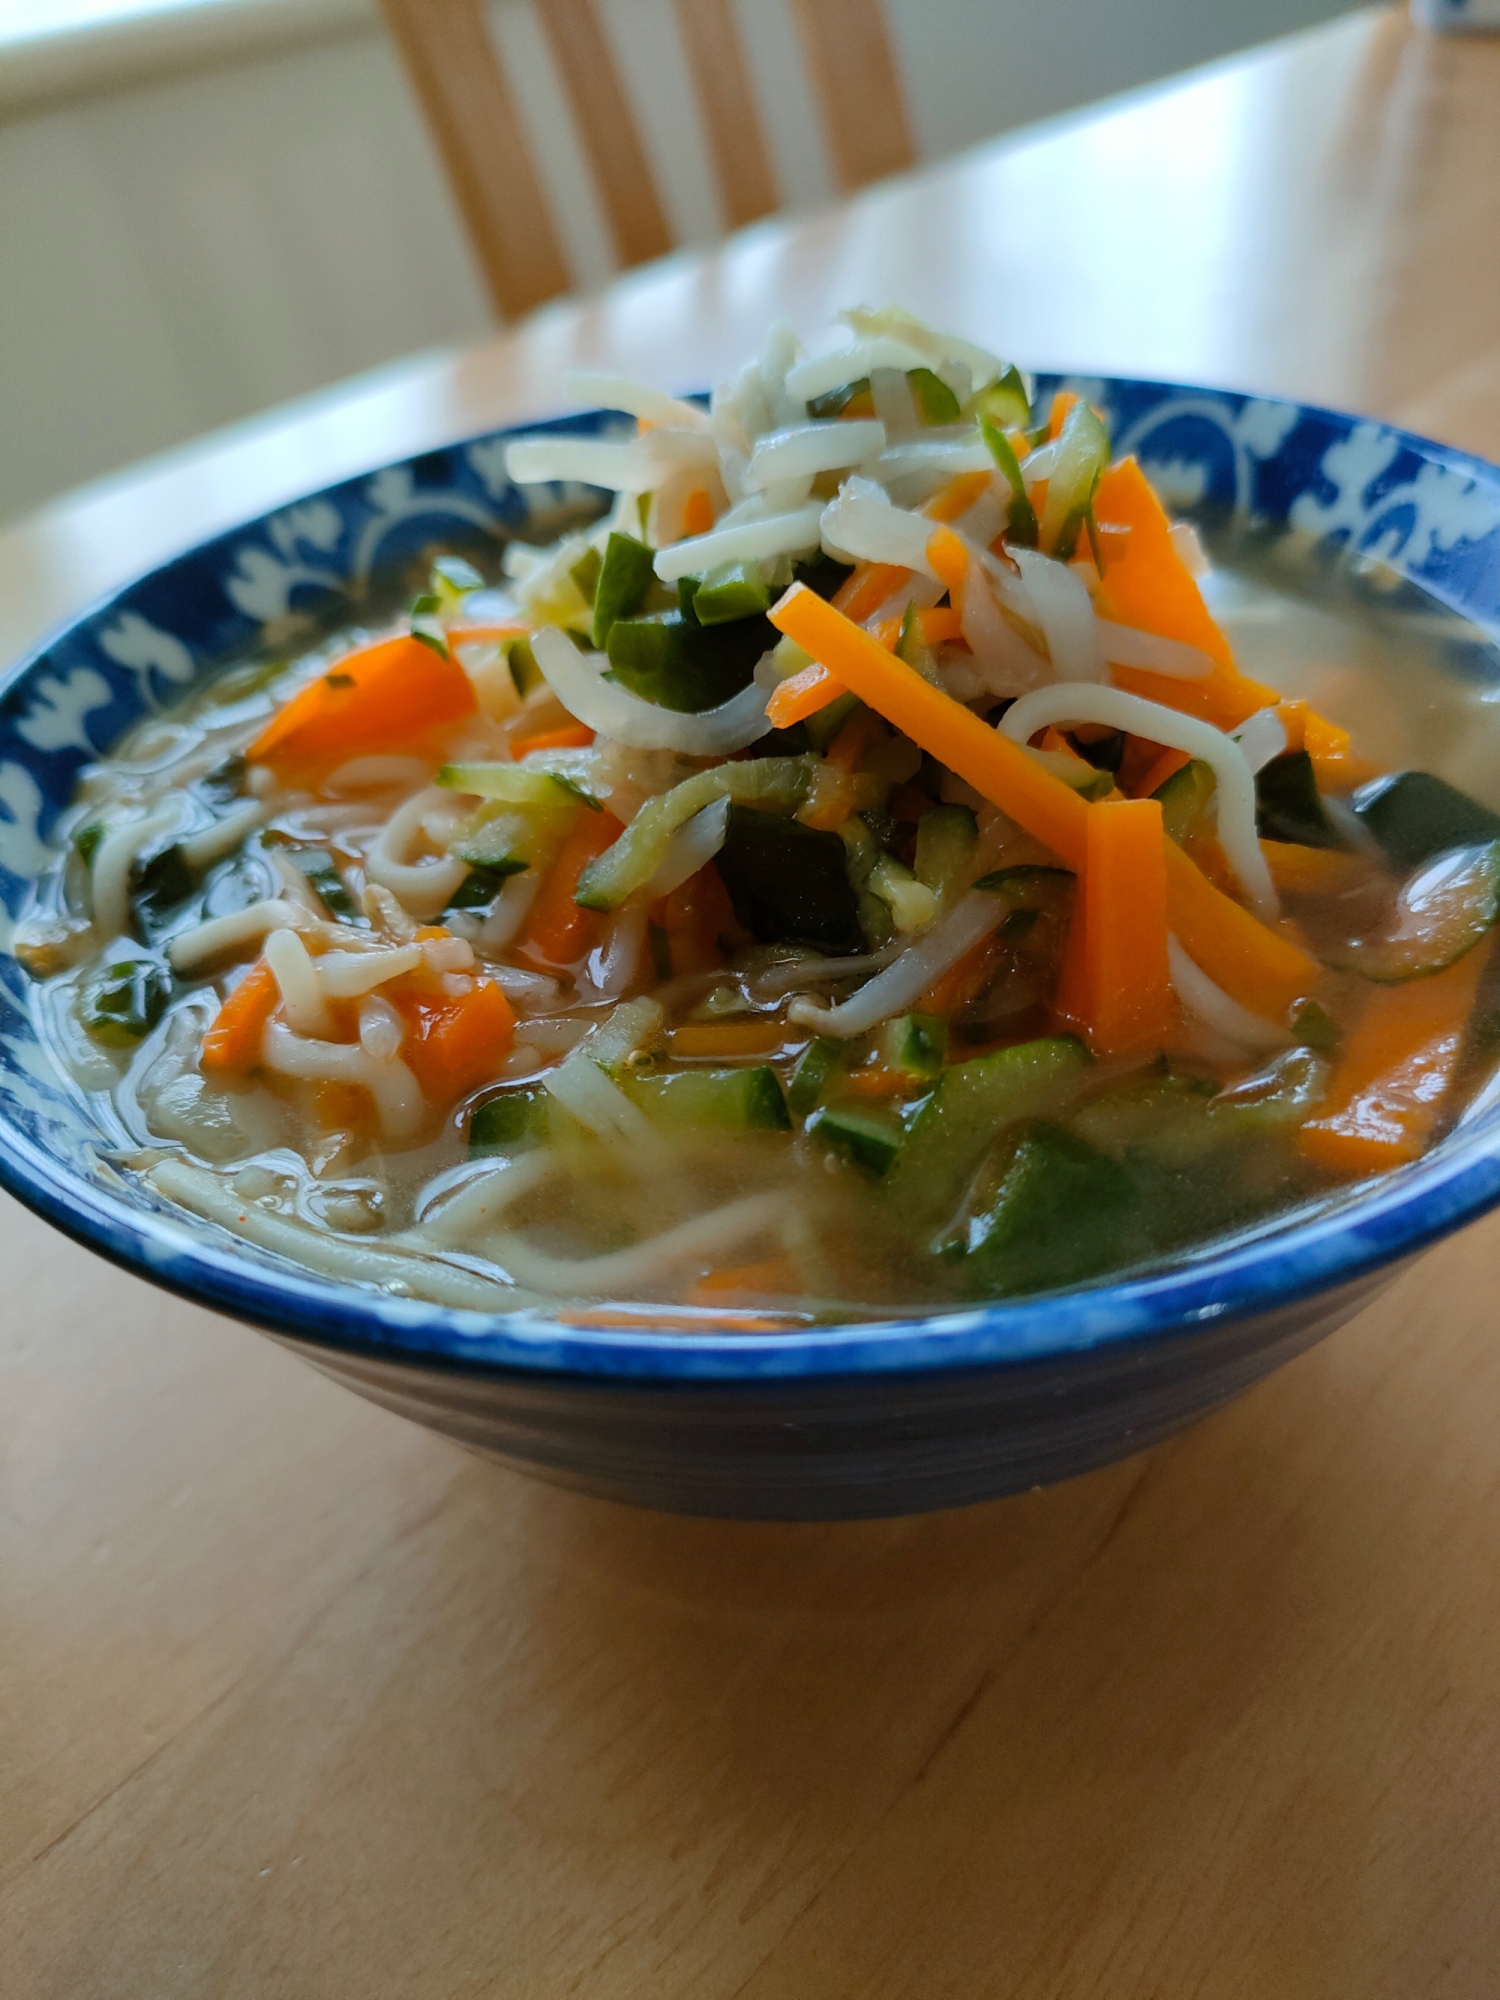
[(1374, 1225)]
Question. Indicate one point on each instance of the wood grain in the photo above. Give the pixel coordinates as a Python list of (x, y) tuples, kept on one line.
[(300, 1701), (853, 70), (731, 121), (471, 113)]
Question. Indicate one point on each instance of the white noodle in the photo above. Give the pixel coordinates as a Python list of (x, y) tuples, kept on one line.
[(595, 389), (580, 1086), (361, 1263), (1072, 702), (228, 937), (381, 1028), (811, 379), (903, 983), (378, 774), (942, 458), (398, 1099), (805, 450), (478, 1199), (1002, 661), (1216, 1009), (1065, 614), (705, 1238), (860, 521), (895, 405), (509, 911), (814, 971), (942, 351), (614, 964), (612, 711), (637, 466), (1261, 736), (345, 975), (423, 887), (1124, 646), (201, 850), (302, 1002), (745, 541)]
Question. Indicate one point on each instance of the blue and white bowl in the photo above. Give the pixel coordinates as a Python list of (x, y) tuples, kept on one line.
[(874, 1418)]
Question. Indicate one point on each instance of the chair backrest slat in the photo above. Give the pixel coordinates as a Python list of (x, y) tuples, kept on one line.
[(463, 91), (853, 71), (607, 127), (456, 70), (731, 122)]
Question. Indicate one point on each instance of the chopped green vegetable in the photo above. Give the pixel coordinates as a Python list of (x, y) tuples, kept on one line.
[(825, 724), (973, 1102), (226, 780), (1184, 798), (524, 670), (672, 660), (452, 581), (426, 618), (511, 784), (737, 1099), (733, 590), (586, 572), (833, 402), (823, 574), (86, 839), (1031, 887), (1439, 915), (1285, 1092), (482, 885), (777, 783), (915, 1045), (1287, 805), (624, 577), (1062, 1212), (1105, 753), (122, 1004), (1082, 454), (159, 884), (1005, 403), (789, 882), (1414, 816), (946, 839), (935, 399), (511, 1121), (871, 1138), (1020, 515), (820, 1061), (1315, 1028)]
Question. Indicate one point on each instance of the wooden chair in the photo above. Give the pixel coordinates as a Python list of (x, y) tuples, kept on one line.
[(461, 83)]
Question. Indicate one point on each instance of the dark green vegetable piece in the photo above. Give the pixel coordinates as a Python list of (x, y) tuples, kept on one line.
[(511, 1121), (482, 884), (790, 883), (122, 1004), (86, 839), (733, 590), (1005, 403), (1105, 753), (935, 399), (1440, 914), (624, 577), (672, 660), (1287, 805), (820, 1061), (1020, 515), (158, 885), (524, 670), (823, 726), (1031, 886), (1315, 1028), (974, 1102), (586, 573), (323, 877), (946, 839), (426, 619), (823, 574), (738, 1099), (834, 401), (870, 1138), (915, 1046), (225, 781), (1414, 816), (1184, 796), (1062, 1212)]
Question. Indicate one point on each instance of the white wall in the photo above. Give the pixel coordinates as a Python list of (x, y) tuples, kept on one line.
[(178, 252)]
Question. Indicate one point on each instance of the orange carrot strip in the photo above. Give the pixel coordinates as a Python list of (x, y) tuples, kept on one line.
[(483, 635), (950, 559), (1062, 402), (576, 736), (867, 589), (1393, 1073), (1117, 983), (801, 696), (232, 1043), (557, 931), (726, 1040), (1334, 762), (455, 1042), (697, 513), (1261, 969), (957, 497), (1149, 586), (1167, 765), (774, 1275), (853, 740), (939, 624), (1310, 871), (876, 1081), (379, 698)]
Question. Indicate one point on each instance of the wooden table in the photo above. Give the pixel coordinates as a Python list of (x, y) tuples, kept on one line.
[(298, 1700)]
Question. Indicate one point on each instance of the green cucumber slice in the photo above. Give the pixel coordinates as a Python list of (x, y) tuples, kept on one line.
[(1287, 805), (1414, 816), (740, 1100), (1440, 914), (870, 1138)]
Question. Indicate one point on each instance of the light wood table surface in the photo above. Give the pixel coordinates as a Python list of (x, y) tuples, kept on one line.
[(297, 1700)]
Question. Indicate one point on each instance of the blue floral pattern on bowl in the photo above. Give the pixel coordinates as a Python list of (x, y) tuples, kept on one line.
[(1430, 513)]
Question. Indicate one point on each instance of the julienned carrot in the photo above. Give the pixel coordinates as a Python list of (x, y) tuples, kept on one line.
[(957, 497), (455, 1042), (1157, 772), (937, 624), (950, 559), (725, 1041), (1117, 983), (557, 931), (1149, 586), (862, 593), (380, 698), (232, 1043), (576, 736), (1335, 765), (697, 513), (1261, 969), (1393, 1073), (483, 635), (1062, 402), (801, 696)]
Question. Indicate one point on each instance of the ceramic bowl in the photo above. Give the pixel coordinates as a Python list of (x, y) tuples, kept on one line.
[(836, 1421)]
